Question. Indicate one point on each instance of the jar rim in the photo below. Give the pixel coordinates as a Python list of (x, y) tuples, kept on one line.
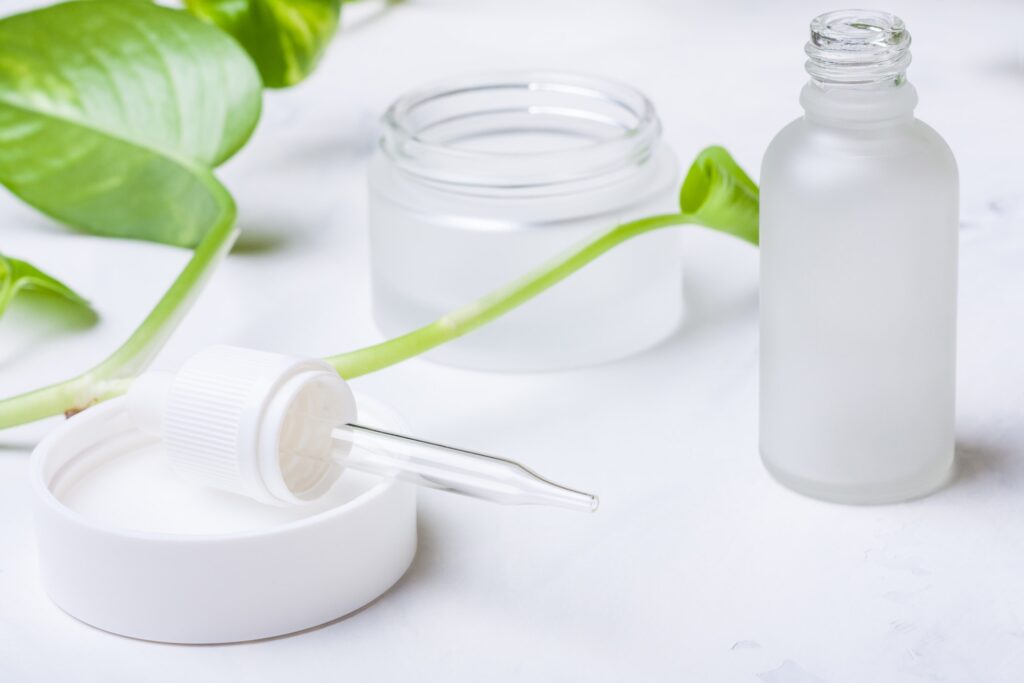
[(618, 124)]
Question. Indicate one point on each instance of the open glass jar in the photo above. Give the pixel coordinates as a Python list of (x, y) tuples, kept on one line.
[(480, 179)]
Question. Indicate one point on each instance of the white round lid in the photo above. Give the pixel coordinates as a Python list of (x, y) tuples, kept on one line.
[(127, 547)]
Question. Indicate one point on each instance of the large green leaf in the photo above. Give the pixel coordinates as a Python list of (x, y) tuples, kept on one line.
[(284, 37), (114, 112), (17, 276)]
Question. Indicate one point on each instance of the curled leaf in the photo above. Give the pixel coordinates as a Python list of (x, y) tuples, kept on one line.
[(285, 38), (718, 194), (17, 276)]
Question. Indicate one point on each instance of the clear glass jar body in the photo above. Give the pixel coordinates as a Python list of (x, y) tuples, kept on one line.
[(480, 180), (859, 220)]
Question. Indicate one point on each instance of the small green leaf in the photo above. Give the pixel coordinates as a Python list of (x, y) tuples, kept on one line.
[(17, 276), (114, 112), (718, 194), (284, 37)]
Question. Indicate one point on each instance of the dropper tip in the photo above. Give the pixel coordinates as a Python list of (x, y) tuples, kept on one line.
[(562, 496), (577, 500)]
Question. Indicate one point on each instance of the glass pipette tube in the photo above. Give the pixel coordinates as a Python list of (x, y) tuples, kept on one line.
[(446, 468)]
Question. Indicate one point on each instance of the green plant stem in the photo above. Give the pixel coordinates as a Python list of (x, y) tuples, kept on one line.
[(716, 194), (111, 377), (495, 304)]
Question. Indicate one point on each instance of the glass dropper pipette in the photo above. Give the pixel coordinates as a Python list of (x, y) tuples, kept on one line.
[(281, 430), (458, 470)]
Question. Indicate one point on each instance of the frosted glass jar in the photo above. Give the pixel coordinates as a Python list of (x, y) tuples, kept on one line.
[(479, 180)]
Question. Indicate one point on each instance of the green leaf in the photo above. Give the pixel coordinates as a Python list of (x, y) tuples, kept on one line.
[(17, 276), (718, 194), (114, 112), (284, 37)]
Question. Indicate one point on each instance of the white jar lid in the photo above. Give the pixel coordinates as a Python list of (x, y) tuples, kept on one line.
[(123, 573)]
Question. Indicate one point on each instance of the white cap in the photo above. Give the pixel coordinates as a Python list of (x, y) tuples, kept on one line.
[(247, 421), (270, 578)]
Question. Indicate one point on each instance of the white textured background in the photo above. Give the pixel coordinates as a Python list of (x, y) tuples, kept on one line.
[(698, 567)]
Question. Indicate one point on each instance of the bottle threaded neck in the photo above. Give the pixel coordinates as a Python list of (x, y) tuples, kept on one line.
[(858, 48)]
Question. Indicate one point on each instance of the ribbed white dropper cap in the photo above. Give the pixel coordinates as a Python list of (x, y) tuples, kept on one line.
[(239, 419)]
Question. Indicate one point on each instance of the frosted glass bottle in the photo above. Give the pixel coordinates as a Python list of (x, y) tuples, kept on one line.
[(859, 217)]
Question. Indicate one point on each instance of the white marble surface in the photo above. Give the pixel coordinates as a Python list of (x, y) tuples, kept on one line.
[(697, 567)]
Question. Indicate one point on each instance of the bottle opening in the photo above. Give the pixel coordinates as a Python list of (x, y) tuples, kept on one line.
[(858, 47)]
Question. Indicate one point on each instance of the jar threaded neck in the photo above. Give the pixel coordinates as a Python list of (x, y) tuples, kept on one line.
[(520, 132)]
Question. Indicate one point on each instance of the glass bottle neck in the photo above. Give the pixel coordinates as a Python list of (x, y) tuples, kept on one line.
[(857, 60), (858, 49)]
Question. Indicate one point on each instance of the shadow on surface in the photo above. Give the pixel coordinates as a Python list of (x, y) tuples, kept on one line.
[(981, 461), (259, 240), (14, 448), (288, 192), (39, 316), (1007, 65)]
